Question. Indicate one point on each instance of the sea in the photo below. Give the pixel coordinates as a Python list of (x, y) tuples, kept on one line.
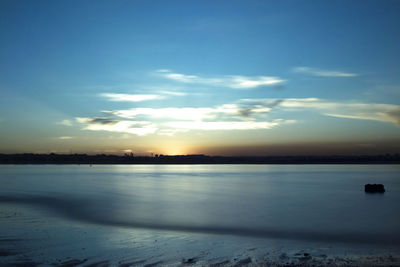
[(198, 215)]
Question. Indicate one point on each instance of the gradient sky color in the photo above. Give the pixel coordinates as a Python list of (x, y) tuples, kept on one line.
[(212, 77)]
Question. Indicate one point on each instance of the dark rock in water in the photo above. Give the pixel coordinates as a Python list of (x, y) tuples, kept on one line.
[(374, 188), (189, 261), (243, 262)]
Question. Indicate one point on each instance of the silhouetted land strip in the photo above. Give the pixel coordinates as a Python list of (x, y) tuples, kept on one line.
[(192, 159)]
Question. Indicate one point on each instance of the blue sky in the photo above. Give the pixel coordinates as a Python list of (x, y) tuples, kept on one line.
[(214, 77)]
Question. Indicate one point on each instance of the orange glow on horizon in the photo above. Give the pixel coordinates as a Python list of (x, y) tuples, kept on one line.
[(174, 150)]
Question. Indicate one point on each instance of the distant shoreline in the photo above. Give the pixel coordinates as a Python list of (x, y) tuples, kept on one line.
[(192, 159)]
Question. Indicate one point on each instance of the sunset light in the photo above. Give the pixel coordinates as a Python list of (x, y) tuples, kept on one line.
[(199, 133)]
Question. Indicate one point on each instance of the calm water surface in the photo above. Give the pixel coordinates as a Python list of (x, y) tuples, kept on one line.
[(315, 203), (301, 201)]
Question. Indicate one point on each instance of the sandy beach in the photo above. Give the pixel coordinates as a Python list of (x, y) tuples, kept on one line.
[(34, 240)]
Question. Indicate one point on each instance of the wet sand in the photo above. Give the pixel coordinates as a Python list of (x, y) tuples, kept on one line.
[(249, 257)]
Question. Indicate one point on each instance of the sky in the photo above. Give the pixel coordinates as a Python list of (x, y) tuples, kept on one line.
[(200, 77)]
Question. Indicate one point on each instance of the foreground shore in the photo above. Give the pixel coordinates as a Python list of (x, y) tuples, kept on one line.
[(248, 257), (38, 241)]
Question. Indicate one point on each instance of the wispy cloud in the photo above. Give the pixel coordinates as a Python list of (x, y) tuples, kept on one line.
[(120, 126), (230, 81), (65, 137), (323, 73), (225, 125), (348, 109), (173, 93), (130, 97), (97, 121), (352, 110), (384, 115), (65, 122)]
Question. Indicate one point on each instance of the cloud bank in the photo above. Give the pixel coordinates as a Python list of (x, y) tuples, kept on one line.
[(168, 121), (245, 114)]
